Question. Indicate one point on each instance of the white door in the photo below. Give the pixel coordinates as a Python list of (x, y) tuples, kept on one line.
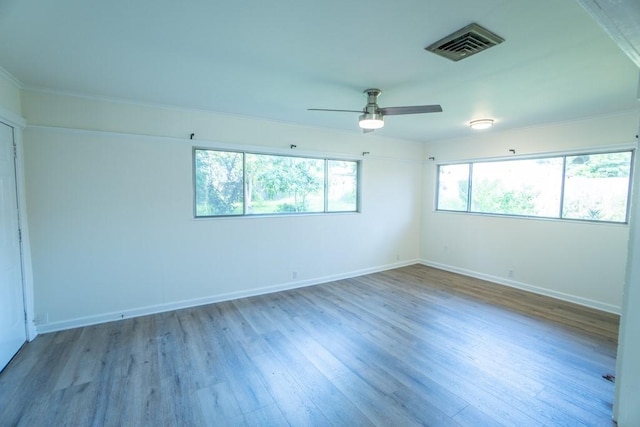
[(13, 332)]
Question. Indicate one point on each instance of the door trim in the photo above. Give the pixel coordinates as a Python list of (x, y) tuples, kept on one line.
[(18, 124)]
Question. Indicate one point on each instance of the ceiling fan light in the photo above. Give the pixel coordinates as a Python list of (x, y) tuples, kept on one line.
[(481, 124), (371, 121)]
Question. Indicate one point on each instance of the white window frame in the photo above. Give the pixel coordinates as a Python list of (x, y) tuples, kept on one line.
[(325, 159), (563, 156)]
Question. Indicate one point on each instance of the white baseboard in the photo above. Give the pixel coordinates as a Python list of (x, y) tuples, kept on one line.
[(609, 308), (170, 306)]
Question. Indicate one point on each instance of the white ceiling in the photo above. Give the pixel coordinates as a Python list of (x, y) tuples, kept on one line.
[(276, 59)]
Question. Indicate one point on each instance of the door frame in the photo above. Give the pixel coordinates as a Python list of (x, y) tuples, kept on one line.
[(18, 124)]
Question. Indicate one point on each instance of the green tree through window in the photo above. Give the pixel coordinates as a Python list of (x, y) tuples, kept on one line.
[(236, 183), (218, 183), (597, 186), (592, 187), (284, 184)]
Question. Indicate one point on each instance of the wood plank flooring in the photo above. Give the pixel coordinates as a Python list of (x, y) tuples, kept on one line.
[(411, 346)]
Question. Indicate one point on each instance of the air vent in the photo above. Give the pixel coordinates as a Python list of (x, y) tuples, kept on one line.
[(465, 42)]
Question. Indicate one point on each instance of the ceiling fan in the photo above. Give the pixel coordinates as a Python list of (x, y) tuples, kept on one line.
[(372, 116)]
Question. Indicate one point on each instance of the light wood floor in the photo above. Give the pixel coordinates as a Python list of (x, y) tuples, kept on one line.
[(411, 346)]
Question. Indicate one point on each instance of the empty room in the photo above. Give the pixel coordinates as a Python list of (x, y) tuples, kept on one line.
[(319, 213)]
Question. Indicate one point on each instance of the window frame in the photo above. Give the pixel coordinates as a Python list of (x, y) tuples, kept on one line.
[(563, 156), (246, 214)]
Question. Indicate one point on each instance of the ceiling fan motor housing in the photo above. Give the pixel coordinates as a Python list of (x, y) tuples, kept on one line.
[(372, 101), (372, 117)]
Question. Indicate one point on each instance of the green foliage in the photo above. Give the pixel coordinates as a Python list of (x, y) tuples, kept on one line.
[(230, 183), (342, 185), (288, 179), (287, 207), (595, 187), (494, 197), (606, 165), (595, 214), (218, 183), (463, 192)]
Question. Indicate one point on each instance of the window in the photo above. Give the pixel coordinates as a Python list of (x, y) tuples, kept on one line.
[(219, 183), (592, 187), (342, 186), (453, 187), (596, 187), (229, 183), (520, 187)]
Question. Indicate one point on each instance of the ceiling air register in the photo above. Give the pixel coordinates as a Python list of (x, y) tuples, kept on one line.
[(465, 42)]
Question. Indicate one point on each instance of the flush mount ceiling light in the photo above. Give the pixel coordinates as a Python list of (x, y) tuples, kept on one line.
[(481, 124), (371, 121)]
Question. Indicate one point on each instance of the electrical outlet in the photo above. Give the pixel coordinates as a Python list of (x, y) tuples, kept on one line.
[(294, 274), (510, 273)]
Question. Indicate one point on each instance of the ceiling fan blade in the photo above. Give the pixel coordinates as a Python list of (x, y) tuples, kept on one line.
[(416, 109), (339, 111)]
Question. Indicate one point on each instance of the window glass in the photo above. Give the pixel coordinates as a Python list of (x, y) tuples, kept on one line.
[(596, 187), (236, 183), (453, 187), (342, 191), (593, 187), (218, 183), (520, 187), (279, 184)]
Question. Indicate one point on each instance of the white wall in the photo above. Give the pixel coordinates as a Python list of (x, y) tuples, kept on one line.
[(111, 217), (575, 261)]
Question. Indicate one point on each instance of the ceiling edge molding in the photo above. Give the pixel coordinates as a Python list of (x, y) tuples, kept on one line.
[(621, 20), (10, 78), (11, 118)]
